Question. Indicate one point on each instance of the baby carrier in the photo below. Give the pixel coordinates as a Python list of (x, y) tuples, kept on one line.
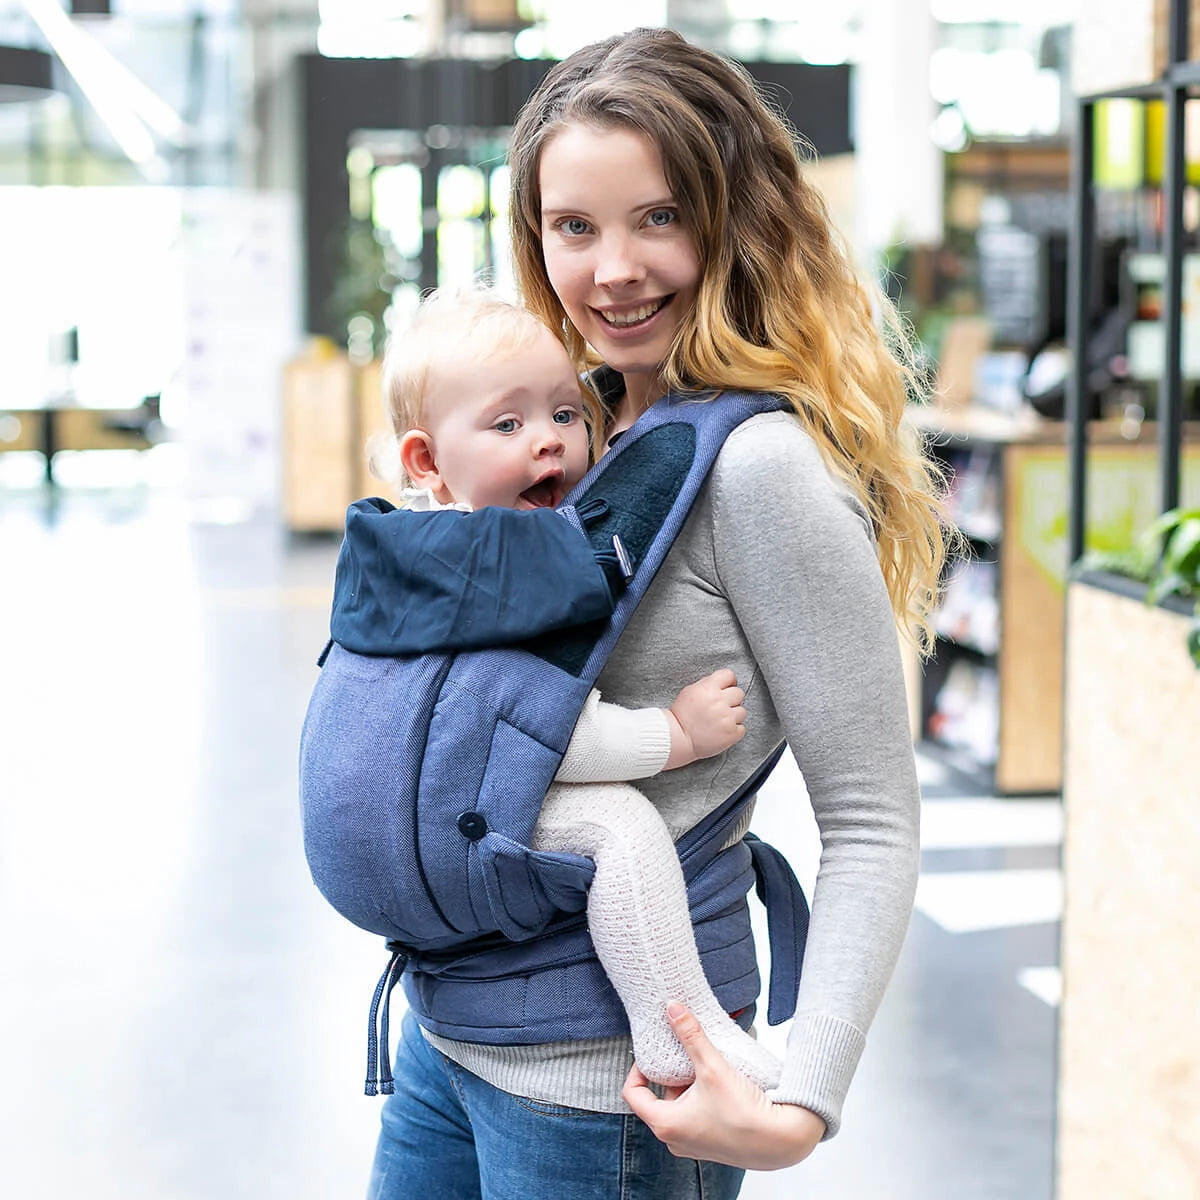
[(422, 774)]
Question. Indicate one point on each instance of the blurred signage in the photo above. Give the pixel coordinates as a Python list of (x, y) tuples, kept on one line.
[(492, 14)]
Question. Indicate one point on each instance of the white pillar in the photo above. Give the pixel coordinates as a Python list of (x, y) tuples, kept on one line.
[(270, 142), (899, 168)]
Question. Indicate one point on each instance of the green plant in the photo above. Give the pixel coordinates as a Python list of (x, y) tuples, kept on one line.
[(1177, 572), (1137, 562), (1166, 558), (363, 278)]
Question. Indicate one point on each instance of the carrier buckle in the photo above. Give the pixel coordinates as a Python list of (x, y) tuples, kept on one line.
[(623, 559)]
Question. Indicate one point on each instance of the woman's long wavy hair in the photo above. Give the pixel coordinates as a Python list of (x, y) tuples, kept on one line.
[(779, 307)]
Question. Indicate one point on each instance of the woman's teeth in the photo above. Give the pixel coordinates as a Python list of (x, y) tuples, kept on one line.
[(635, 315)]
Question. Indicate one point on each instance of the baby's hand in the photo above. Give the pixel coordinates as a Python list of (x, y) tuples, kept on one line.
[(706, 718)]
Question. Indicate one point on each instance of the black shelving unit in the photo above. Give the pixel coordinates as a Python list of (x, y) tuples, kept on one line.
[(1180, 80)]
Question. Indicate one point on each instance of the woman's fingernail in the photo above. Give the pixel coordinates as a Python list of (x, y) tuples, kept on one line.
[(675, 1011)]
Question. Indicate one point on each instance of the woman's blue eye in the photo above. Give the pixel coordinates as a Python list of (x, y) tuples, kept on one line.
[(575, 225), (662, 216), (564, 416), (508, 425)]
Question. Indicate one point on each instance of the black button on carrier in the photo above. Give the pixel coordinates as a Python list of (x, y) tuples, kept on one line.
[(472, 825)]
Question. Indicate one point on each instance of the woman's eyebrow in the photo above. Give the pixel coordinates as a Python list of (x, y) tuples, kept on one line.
[(559, 209), (563, 204)]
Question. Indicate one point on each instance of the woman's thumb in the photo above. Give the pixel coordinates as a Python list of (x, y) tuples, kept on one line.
[(691, 1034)]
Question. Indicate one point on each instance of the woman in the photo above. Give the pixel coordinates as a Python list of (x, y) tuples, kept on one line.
[(660, 220)]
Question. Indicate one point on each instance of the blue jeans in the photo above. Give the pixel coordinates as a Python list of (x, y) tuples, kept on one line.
[(448, 1135)]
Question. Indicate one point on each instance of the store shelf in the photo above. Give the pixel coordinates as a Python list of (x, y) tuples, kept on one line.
[(967, 650), (965, 714), (992, 691)]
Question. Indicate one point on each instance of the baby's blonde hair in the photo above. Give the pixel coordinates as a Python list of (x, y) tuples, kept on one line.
[(448, 325)]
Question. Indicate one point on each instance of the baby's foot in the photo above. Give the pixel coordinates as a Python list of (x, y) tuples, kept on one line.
[(662, 1059), (745, 1053)]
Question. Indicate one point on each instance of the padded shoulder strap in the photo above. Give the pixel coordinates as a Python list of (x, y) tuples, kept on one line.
[(638, 496)]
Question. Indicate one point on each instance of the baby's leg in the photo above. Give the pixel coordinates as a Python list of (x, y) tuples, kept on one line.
[(639, 922)]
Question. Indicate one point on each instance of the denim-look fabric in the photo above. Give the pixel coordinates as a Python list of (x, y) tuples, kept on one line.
[(419, 582), (422, 776), (448, 1135)]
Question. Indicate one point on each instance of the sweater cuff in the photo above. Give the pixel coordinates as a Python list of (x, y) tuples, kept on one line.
[(823, 1054), (649, 741), (615, 745)]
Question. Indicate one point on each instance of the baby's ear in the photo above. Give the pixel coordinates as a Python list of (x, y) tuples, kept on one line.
[(418, 460)]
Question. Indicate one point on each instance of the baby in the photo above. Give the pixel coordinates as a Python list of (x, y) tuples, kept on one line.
[(486, 409)]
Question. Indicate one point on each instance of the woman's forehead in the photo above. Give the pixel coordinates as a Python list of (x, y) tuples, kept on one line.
[(578, 159)]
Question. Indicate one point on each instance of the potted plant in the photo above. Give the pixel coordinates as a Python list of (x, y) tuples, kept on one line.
[(1166, 559), (1177, 569)]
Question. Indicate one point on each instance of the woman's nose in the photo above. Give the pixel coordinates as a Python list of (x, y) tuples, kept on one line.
[(617, 263)]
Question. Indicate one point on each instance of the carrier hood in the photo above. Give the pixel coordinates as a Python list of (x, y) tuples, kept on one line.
[(416, 582)]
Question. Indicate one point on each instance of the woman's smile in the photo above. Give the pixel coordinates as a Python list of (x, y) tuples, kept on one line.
[(638, 316), (638, 322)]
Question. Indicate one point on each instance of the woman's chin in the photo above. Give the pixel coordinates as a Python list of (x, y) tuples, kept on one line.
[(630, 360)]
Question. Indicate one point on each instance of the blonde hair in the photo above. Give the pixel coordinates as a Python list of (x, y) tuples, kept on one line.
[(779, 306), (448, 325)]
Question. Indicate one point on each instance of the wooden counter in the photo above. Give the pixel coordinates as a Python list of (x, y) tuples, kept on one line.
[(1129, 1038), (330, 410)]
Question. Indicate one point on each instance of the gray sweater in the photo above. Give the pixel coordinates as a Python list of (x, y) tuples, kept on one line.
[(774, 575)]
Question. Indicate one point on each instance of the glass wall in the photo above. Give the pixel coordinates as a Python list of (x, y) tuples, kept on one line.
[(165, 98), (159, 92)]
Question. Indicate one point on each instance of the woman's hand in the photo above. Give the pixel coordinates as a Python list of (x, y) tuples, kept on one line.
[(721, 1117)]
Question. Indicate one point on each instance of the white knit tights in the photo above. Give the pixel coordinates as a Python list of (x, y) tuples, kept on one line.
[(639, 922)]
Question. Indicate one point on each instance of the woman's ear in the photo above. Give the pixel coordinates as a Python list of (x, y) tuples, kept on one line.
[(419, 462)]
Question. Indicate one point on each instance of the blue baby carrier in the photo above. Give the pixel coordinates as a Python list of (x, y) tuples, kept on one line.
[(422, 774)]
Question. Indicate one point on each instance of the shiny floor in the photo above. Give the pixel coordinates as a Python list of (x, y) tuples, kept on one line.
[(183, 1017)]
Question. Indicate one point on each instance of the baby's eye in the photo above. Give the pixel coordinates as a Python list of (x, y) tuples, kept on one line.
[(565, 416), (662, 216), (506, 425)]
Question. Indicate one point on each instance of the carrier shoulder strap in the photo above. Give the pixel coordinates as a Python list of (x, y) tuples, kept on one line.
[(634, 502)]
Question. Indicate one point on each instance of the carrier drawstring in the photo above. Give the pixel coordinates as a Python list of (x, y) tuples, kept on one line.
[(589, 512), (379, 1061), (592, 509), (616, 560)]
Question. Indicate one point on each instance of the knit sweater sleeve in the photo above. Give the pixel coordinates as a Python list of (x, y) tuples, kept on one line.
[(612, 744), (796, 557)]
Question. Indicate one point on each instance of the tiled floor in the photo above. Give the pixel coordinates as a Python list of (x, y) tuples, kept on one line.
[(185, 1019), (954, 1096)]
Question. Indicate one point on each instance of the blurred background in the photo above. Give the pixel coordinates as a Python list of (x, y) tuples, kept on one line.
[(191, 192), (211, 214)]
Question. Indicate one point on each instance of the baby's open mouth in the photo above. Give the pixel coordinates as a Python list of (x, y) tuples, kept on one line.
[(546, 493)]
